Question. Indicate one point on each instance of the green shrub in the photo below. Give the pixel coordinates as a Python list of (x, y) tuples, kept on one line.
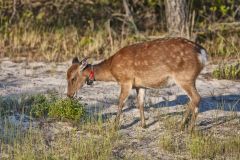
[(40, 105), (52, 107), (66, 108)]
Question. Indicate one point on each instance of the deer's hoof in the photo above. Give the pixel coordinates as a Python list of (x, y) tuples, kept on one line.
[(144, 125)]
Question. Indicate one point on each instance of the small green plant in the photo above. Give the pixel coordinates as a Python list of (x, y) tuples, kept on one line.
[(66, 108), (224, 71), (52, 107)]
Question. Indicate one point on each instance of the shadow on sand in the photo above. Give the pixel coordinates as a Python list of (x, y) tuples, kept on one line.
[(224, 102)]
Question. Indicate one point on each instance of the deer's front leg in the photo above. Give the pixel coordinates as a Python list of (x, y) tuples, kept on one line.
[(125, 90), (140, 101)]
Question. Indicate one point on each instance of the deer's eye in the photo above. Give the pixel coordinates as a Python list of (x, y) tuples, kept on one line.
[(74, 79)]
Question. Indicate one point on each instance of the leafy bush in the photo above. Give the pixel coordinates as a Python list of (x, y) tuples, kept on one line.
[(67, 108), (227, 71), (52, 107), (40, 106)]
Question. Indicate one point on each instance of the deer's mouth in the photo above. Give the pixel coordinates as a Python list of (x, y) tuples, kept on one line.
[(72, 96)]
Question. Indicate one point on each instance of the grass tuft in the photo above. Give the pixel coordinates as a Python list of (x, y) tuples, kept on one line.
[(167, 142), (202, 146), (225, 71), (211, 147)]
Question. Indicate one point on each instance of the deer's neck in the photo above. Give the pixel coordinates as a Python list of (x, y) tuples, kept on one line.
[(102, 71)]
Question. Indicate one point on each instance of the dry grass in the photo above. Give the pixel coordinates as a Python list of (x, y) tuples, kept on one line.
[(60, 44)]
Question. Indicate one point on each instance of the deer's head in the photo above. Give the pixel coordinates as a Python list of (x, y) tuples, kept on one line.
[(77, 75)]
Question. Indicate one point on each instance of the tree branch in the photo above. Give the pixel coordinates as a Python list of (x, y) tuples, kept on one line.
[(129, 16), (14, 11)]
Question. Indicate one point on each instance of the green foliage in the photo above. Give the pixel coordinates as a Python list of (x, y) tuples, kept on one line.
[(225, 71), (57, 108), (66, 109), (40, 105), (51, 106)]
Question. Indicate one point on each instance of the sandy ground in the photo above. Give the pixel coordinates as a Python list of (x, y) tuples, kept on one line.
[(219, 99)]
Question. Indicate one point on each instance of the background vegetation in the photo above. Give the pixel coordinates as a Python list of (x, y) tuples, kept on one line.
[(55, 30)]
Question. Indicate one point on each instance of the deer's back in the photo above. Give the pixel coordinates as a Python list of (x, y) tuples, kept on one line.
[(156, 60)]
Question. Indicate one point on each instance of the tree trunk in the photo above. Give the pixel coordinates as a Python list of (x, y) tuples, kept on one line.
[(176, 16)]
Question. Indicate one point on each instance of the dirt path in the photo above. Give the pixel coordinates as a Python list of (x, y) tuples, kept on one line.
[(219, 99)]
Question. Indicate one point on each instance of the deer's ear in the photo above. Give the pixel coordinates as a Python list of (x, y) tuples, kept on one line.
[(84, 63), (75, 60)]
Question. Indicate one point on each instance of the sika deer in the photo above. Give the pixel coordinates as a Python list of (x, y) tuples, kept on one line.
[(146, 65)]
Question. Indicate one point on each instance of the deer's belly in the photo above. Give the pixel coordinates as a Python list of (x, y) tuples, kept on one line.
[(150, 82)]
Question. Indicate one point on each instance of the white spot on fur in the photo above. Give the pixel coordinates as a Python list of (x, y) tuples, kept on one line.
[(202, 56)]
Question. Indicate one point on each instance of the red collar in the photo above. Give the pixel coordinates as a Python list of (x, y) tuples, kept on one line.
[(91, 76)]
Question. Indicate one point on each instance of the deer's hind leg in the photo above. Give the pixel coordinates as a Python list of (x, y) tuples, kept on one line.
[(192, 108)]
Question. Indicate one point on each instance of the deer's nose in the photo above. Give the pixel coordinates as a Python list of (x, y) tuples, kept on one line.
[(69, 95)]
